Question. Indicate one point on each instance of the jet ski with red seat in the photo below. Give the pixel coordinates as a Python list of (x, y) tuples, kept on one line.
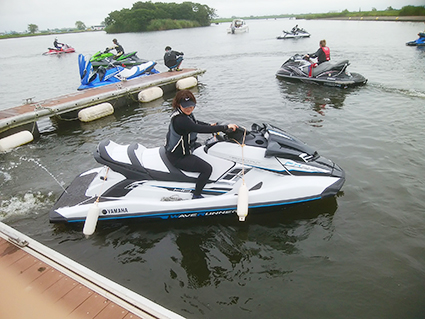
[(64, 49)]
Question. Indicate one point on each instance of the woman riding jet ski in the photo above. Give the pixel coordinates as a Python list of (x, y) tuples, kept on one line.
[(300, 68), (65, 48), (140, 182)]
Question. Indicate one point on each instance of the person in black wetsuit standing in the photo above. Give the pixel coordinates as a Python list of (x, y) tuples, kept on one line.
[(181, 139)]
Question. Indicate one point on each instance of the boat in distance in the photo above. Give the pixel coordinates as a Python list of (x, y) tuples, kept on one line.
[(238, 26)]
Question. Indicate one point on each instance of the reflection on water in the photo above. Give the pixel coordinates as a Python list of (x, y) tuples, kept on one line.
[(317, 96), (206, 252)]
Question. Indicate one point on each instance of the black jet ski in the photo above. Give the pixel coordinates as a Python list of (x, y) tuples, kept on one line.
[(276, 168), (327, 73)]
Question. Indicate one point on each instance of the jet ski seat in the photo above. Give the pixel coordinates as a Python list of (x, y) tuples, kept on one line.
[(328, 66)]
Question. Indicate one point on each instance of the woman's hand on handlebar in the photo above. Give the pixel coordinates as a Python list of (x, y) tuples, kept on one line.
[(232, 127)]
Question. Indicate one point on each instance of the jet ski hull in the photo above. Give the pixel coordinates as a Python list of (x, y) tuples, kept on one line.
[(166, 201), (348, 80), (127, 189), (65, 49), (327, 74)]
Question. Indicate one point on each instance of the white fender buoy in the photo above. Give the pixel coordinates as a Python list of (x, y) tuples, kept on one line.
[(150, 94), (186, 83), (242, 209), (95, 112), (10, 142), (91, 219)]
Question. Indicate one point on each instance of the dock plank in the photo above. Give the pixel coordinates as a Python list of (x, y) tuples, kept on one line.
[(92, 306), (10, 254), (112, 311), (36, 270), (39, 289), (49, 278), (74, 298), (60, 288), (22, 264), (33, 111)]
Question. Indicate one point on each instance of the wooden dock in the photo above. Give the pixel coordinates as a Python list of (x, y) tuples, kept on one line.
[(25, 116), (39, 283)]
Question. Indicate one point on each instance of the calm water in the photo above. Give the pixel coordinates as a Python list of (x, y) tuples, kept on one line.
[(361, 255)]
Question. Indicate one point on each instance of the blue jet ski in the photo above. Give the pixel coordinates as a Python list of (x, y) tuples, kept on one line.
[(91, 78), (418, 42)]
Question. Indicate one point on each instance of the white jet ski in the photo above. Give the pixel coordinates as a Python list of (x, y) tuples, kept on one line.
[(296, 34), (139, 182)]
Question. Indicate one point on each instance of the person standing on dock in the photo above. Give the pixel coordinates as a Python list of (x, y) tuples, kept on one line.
[(116, 46), (173, 59)]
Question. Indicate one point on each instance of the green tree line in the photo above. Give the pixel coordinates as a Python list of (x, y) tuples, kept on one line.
[(404, 11), (149, 16)]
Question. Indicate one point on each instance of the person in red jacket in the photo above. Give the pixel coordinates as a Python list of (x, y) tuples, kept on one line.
[(323, 54)]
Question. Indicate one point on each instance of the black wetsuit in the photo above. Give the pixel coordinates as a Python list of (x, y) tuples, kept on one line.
[(181, 137), (57, 44), (120, 50)]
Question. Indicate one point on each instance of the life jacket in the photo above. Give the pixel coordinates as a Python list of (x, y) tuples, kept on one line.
[(174, 139), (327, 52)]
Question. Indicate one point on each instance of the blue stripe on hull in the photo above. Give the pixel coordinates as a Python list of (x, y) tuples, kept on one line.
[(199, 213)]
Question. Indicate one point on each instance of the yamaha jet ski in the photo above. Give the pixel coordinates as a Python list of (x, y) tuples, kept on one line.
[(326, 73), (91, 78), (64, 49), (299, 33), (139, 182), (418, 42), (106, 59)]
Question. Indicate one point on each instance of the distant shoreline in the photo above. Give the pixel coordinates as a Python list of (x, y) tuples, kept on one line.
[(355, 18), (378, 18)]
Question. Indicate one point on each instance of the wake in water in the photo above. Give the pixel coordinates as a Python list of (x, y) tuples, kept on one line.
[(23, 158), (23, 204), (403, 92)]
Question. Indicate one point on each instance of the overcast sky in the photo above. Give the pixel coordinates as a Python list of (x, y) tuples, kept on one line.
[(15, 15)]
